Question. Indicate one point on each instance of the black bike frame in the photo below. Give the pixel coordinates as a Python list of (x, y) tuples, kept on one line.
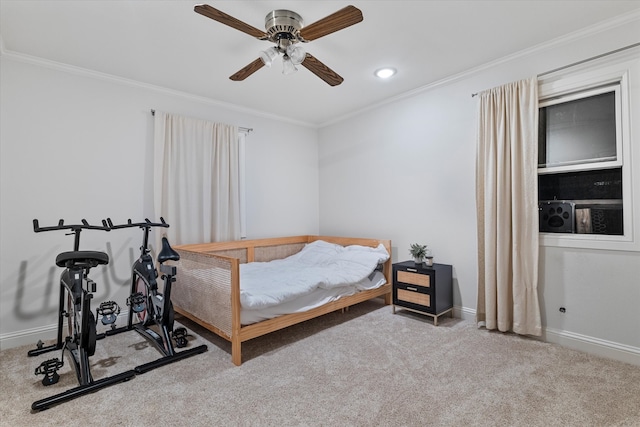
[(76, 289), (72, 280), (76, 282), (158, 305)]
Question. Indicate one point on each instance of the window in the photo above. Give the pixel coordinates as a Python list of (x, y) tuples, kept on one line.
[(586, 194), (579, 158)]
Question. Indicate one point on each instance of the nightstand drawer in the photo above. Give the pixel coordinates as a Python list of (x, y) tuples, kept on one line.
[(414, 278), (412, 295)]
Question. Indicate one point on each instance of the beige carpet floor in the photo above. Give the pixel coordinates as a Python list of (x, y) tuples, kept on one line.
[(365, 367)]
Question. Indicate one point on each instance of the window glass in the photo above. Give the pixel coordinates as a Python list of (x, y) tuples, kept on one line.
[(578, 131), (583, 202)]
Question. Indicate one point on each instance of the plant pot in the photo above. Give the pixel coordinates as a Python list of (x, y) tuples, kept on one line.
[(418, 261)]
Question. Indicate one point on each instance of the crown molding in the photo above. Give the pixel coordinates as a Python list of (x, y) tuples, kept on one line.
[(563, 40), (71, 69), (559, 41)]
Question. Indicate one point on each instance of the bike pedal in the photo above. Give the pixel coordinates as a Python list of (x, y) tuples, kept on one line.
[(109, 311), (49, 368), (180, 335), (137, 302)]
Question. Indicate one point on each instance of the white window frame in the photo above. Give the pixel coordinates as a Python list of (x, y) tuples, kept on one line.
[(590, 78), (587, 165)]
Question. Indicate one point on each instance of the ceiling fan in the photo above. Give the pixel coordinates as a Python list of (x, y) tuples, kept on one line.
[(286, 29)]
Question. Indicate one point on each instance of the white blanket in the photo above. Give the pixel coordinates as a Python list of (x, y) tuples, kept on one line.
[(318, 265)]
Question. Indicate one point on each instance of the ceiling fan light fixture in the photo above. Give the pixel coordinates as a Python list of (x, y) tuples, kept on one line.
[(269, 55), (385, 73), (296, 54), (288, 67)]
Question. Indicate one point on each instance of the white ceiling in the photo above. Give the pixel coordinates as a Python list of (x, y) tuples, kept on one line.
[(167, 44)]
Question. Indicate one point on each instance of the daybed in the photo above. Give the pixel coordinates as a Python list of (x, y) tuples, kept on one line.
[(208, 288)]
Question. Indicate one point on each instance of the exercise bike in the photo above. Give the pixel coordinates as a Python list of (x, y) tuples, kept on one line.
[(150, 311), (79, 343)]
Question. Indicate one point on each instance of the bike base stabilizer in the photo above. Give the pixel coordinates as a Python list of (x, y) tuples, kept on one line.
[(81, 390)]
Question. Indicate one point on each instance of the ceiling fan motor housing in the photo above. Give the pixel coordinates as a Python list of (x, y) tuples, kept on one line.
[(283, 24)]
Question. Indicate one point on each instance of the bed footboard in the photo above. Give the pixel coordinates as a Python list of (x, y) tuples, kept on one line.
[(204, 288)]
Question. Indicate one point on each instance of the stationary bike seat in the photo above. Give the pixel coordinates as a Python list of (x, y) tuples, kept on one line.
[(167, 253), (81, 259)]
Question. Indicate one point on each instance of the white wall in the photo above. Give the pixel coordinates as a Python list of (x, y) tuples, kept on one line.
[(405, 171), (76, 145)]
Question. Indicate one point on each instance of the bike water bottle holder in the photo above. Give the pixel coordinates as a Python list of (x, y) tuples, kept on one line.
[(137, 302), (49, 368), (109, 310)]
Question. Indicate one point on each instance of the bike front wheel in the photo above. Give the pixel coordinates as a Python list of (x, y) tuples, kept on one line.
[(91, 335), (85, 339), (73, 318), (170, 316)]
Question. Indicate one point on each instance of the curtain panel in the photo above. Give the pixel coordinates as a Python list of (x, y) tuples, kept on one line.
[(197, 179), (507, 208)]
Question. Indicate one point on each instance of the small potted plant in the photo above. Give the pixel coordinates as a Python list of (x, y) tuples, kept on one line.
[(418, 252)]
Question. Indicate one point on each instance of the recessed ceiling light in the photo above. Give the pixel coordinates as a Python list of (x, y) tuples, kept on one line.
[(385, 73)]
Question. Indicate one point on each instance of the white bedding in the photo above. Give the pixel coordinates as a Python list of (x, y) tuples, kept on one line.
[(328, 269), (311, 300)]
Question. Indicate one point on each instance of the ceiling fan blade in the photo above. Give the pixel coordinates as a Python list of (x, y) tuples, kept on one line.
[(223, 18), (319, 69), (339, 20), (248, 70)]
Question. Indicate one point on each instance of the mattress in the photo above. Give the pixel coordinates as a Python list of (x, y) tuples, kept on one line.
[(321, 272), (316, 298)]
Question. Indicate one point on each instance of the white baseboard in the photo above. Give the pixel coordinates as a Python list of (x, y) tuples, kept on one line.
[(591, 345), (584, 343), (28, 336), (464, 313), (587, 344), (44, 333)]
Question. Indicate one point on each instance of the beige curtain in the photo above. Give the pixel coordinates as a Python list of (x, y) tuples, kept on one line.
[(507, 208), (197, 179)]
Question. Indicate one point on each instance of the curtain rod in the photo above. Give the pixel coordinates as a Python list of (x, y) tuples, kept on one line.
[(240, 128), (631, 46)]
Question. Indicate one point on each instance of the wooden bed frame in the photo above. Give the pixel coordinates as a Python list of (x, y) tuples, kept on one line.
[(207, 288)]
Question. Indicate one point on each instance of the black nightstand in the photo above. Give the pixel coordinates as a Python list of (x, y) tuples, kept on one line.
[(425, 290)]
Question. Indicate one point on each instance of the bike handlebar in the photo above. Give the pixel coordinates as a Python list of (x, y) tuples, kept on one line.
[(74, 227), (146, 224)]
